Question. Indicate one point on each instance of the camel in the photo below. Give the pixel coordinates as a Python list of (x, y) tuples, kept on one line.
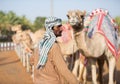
[(26, 38), (24, 46), (66, 41), (37, 36), (17, 29), (19, 37), (94, 48), (68, 47)]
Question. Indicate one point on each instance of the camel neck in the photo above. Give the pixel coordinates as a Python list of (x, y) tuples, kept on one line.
[(81, 38), (78, 28)]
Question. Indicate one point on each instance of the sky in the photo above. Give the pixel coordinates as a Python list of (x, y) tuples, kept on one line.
[(34, 8)]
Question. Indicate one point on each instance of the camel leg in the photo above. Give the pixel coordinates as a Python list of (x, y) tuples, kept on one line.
[(65, 58), (85, 75), (32, 73), (23, 58), (82, 73), (100, 67), (71, 63), (81, 70), (75, 68), (76, 64), (93, 67), (112, 63)]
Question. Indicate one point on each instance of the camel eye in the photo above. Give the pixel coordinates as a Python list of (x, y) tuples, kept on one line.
[(68, 16), (82, 16)]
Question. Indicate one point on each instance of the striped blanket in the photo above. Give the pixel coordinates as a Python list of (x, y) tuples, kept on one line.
[(101, 22)]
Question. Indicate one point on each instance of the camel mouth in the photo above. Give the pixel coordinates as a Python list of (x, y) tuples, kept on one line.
[(73, 23)]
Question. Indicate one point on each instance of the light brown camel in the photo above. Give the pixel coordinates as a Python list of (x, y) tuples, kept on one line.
[(23, 45), (70, 48), (25, 39), (20, 37), (37, 35), (94, 48), (17, 29)]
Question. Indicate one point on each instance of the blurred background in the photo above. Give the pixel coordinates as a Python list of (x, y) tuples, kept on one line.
[(32, 13)]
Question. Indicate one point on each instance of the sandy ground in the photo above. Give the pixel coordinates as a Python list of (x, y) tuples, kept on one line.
[(11, 69), (13, 72)]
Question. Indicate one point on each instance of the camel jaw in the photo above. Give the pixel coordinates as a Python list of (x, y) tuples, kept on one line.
[(73, 22)]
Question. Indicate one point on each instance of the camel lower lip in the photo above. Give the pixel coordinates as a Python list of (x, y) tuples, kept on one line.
[(72, 23)]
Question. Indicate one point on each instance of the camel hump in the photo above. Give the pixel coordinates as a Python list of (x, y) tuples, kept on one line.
[(101, 22), (97, 12)]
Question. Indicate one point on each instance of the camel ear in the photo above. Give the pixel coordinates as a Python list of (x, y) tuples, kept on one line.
[(68, 16), (78, 12)]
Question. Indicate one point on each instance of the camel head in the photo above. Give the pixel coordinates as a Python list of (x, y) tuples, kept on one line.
[(76, 18), (26, 40), (16, 28)]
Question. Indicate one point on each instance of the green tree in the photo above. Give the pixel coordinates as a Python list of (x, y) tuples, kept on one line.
[(26, 24), (39, 23), (2, 14), (7, 20), (117, 20)]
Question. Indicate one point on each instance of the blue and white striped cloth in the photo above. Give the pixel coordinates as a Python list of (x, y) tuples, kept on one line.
[(46, 43)]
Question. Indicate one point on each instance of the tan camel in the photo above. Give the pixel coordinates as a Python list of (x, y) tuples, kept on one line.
[(96, 48), (37, 36), (25, 39), (70, 48), (17, 29), (23, 45), (21, 37)]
